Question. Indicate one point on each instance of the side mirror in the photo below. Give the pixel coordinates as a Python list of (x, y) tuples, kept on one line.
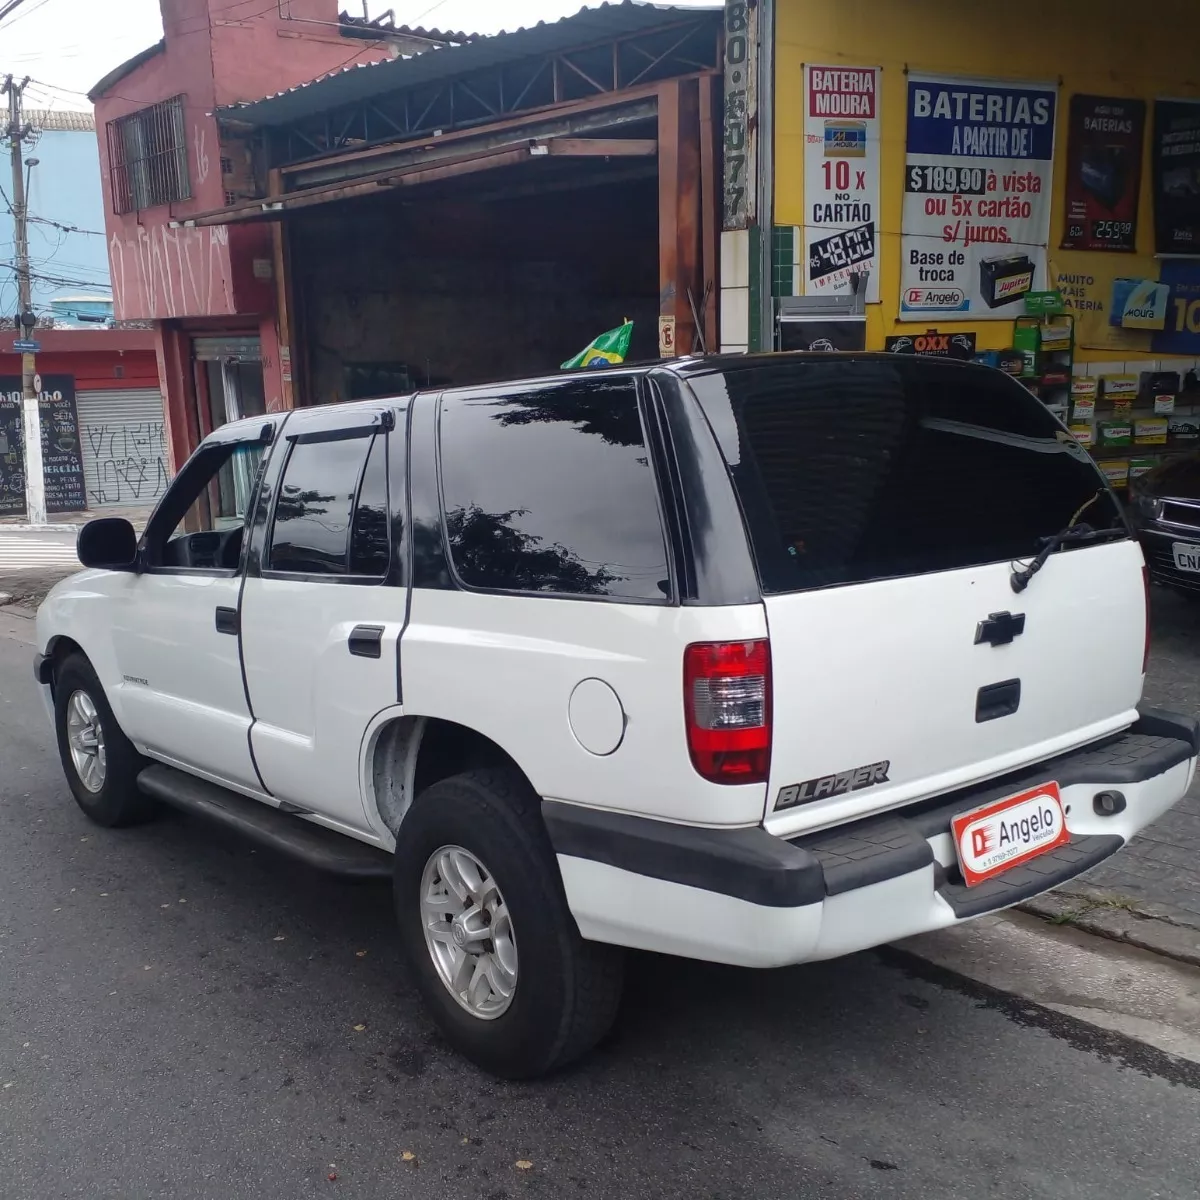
[(109, 544)]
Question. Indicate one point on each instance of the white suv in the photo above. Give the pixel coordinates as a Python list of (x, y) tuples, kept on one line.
[(757, 660)]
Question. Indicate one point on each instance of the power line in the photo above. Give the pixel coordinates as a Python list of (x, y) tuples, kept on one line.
[(27, 13), (68, 228), (10, 6)]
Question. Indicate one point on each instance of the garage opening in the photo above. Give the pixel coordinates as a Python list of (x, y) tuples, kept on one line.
[(504, 272)]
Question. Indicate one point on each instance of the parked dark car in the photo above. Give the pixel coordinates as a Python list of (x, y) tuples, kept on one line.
[(1165, 507)]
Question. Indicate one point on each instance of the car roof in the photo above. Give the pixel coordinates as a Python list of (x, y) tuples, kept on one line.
[(685, 367)]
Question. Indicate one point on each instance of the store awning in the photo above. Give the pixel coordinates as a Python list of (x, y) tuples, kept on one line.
[(582, 131)]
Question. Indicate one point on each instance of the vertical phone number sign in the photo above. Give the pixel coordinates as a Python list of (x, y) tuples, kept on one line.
[(841, 178), (741, 110)]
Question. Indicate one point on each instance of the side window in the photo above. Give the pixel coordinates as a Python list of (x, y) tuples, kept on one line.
[(319, 505), (200, 524), (551, 490), (225, 496), (369, 544)]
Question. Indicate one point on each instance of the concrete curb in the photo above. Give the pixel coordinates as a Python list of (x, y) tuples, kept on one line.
[(1119, 920)]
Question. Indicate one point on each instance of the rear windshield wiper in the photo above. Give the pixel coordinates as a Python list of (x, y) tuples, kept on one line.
[(1073, 534), (1065, 537)]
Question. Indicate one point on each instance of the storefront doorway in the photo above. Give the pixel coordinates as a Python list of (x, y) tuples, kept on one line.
[(229, 375)]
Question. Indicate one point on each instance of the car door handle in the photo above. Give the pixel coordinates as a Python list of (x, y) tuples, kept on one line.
[(366, 641), (227, 621)]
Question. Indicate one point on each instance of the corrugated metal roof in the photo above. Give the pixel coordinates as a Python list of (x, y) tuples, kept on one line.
[(55, 120), (355, 83), (367, 27)]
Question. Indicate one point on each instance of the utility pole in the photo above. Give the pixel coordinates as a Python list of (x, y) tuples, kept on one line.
[(31, 425)]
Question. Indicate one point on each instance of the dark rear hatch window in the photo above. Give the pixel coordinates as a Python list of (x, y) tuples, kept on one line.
[(850, 470)]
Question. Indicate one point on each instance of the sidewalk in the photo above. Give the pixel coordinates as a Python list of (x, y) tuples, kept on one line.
[(1149, 893), (73, 520), (24, 584)]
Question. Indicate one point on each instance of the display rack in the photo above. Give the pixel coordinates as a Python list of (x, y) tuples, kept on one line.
[(1047, 345)]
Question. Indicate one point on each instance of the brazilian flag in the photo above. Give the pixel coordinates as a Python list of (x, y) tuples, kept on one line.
[(606, 350)]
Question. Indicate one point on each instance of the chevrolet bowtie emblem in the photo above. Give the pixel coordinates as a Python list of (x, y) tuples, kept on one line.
[(1000, 628)]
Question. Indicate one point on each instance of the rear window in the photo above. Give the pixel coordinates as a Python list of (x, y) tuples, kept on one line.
[(850, 470)]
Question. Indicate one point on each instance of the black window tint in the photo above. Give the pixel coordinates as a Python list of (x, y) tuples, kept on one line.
[(849, 470), (550, 490), (312, 515), (369, 533)]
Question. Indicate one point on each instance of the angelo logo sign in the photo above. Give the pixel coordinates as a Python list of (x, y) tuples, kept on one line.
[(1009, 832)]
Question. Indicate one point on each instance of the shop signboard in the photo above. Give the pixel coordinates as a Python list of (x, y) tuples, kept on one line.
[(977, 197), (1180, 332), (741, 115), (933, 344), (841, 179), (1177, 177), (62, 463), (1105, 135)]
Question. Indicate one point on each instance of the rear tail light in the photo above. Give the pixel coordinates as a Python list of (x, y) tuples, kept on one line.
[(1146, 584), (727, 705)]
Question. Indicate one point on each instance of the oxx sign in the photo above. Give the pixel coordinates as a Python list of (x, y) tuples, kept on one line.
[(933, 344)]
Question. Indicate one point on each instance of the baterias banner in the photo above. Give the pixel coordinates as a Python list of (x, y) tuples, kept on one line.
[(1104, 173), (977, 197), (841, 179)]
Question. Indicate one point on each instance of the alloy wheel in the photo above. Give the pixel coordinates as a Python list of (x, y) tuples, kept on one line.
[(468, 931), (85, 736)]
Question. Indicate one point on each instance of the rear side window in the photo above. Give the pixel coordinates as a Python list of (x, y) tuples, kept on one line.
[(331, 514), (857, 469), (551, 490)]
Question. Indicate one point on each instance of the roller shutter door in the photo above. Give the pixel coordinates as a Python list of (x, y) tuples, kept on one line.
[(123, 439)]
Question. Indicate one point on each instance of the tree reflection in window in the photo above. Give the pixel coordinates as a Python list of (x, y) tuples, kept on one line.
[(486, 546), (549, 490), (602, 408)]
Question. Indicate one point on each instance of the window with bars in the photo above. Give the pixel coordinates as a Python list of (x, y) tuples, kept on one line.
[(147, 155)]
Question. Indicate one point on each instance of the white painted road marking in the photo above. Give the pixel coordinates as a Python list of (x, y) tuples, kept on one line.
[(25, 552)]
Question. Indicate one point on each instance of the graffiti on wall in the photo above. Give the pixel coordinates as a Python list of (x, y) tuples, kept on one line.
[(199, 142), (130, 460), (164, 272)]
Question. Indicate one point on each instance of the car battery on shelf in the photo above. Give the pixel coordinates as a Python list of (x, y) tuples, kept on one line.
[(1005, 279)]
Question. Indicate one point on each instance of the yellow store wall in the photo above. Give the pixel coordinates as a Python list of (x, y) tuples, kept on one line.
[(1100, 47)]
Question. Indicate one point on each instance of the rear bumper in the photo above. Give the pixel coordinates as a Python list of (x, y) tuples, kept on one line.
[(745, 897)]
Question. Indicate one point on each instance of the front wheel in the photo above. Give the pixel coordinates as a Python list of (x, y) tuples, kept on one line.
[(486, 928), (98, 760)]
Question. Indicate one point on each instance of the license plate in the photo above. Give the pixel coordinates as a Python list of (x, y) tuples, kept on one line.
[(1009, 832), (1187, 556)]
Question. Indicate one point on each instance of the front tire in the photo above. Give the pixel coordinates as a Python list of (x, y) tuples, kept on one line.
[(485, 926), (98, 760)]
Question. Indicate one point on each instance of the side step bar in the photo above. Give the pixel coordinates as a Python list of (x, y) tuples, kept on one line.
[(317, 847)]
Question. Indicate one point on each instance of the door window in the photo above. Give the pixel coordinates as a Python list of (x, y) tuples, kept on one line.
[(551, 490), (331, 515), (200, 523)]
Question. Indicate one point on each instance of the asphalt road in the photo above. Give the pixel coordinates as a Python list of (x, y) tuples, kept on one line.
[(183, 1017)]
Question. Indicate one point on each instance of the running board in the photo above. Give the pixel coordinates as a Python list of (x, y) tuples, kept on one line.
[(317, 847)]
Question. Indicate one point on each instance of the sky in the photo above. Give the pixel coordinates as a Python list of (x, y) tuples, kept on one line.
[(67, 45)]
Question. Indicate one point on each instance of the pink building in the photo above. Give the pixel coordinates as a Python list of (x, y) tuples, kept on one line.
[(211, 290)]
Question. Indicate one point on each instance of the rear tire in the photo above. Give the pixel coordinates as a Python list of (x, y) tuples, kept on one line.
[(98, 760), (555, 995)]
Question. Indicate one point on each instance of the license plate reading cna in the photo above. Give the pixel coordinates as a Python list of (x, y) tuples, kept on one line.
[(1008, 832)]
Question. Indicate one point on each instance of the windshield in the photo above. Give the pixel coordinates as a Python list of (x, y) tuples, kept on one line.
[(853, 469)]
